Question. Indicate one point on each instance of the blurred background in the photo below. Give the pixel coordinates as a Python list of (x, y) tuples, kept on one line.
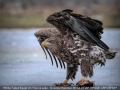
[(32, 13), (22, 61)]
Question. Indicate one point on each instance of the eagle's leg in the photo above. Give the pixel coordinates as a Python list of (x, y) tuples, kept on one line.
[(84, 82), (86, 70), (71, 72)]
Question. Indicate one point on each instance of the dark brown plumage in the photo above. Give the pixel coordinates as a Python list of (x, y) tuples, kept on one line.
[(73, 47), (89, 29)]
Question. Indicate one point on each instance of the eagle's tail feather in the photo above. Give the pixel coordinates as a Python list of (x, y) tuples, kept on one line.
[(110, 55)]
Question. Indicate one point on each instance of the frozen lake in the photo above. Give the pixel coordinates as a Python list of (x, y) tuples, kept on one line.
[(22, 61)]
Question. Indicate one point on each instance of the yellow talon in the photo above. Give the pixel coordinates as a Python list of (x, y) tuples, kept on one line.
[(65, 83)]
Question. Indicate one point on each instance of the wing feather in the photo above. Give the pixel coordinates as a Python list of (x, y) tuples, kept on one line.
[(60, 62), (49, 55), (79, 27), (89, 29), (43, 50), (55, 61)]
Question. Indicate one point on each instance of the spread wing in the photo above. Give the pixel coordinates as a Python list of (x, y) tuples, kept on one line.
[(89, 29), (81, 28), (44, 34)]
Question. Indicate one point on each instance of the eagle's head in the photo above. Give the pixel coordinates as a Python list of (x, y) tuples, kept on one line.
[(53, 44)]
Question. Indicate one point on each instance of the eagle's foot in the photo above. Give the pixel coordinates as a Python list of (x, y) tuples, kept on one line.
[(64, 84), (81, 81), (86, 83)]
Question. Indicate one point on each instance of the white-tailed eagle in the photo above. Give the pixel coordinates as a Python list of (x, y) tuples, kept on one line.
[(76, 41)]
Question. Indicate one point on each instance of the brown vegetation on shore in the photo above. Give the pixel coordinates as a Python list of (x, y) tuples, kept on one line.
[(32, 13)]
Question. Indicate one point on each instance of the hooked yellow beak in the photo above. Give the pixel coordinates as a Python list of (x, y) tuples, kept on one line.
[(44, 43)]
